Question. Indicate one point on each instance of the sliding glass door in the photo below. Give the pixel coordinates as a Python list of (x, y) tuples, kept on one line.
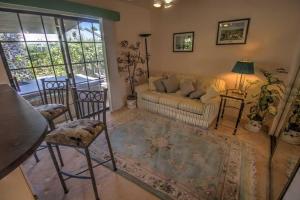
[(37, 46)]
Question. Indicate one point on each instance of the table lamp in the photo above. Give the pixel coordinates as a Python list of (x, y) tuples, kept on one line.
[(242, 67)]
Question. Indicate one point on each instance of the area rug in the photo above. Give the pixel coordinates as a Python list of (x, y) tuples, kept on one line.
[(174, 160)]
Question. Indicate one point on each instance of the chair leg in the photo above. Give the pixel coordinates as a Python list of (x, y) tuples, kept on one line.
[(88, 158), (59, 156), (110, 150), (57, 168), (51, 125), (70, 115), (36, 157)]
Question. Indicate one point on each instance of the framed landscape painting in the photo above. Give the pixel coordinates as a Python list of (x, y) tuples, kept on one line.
[(233, 31), (183, 42)]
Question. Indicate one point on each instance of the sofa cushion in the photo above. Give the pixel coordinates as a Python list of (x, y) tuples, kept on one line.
[(197, 94), (171, 84), (159, 86), (151, 82), (186, 87), (169, 100), (193, 106), (151, 96)]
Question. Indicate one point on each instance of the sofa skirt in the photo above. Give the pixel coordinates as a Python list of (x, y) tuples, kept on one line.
[(202, 120)]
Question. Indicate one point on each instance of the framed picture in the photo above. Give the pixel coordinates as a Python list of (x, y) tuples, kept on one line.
[(233, 31), (183, 42)]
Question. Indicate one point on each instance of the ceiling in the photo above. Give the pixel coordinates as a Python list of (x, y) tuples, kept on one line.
[(142, 3)]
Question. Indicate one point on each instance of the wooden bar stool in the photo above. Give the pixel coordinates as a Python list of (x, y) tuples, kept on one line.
[(56, 104), (90, 109)]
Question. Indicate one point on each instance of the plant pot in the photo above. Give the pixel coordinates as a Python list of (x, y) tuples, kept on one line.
[(291, 137), (131, 102), (253, 126)]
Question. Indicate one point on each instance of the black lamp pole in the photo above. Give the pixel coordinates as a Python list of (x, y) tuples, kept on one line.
[(146, 35)]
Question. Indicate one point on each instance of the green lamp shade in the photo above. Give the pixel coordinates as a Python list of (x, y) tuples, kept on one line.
[(243, 67)]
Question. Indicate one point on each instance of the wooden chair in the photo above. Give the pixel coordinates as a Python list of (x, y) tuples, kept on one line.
[(90, 109)]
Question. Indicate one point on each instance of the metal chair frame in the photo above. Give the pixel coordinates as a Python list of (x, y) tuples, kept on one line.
[(91, 105), (55, 92)]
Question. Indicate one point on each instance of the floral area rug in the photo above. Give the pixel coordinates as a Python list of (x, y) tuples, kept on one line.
[(174, 160)]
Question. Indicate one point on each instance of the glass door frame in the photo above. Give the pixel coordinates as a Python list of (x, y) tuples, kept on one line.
[(63, 42)]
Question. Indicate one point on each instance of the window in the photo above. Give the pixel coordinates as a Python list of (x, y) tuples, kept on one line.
[(38, 46)]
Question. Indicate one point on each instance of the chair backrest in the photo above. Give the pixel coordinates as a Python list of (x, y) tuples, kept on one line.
[(56, 92), (90, 103)]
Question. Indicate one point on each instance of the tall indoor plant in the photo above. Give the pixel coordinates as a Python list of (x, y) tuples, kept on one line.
[(130, 61), (292, 131), (267, 101)]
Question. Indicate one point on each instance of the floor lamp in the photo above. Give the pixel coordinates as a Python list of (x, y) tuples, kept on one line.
[(146, 35)]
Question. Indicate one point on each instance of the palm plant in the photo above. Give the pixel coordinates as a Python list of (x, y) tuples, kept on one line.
[(129, 62)]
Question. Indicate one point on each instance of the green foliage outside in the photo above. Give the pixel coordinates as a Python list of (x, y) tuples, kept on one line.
[(43, 57), (40, 57)]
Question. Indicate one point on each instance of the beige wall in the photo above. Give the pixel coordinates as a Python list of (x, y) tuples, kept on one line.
[(273, 30)]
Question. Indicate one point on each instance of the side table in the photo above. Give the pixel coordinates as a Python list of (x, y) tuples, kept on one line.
[(232, 94)]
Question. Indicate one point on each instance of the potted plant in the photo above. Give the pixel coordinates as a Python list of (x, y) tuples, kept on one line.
[(268, 98), (292, 131), (130, 62)]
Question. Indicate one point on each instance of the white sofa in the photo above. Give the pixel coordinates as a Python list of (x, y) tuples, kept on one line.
[(200, 112)]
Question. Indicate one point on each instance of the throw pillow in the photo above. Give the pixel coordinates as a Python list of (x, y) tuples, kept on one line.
[(211, 93), (171, 84), (186, 87), (159, 86), (197, 94), (151, 82)]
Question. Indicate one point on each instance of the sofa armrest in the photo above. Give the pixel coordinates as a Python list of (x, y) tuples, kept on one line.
[(211, 96), (142, 88), (211, 107), (214, 100)]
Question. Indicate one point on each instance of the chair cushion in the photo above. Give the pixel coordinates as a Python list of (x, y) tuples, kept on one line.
[(169, 100), (78, 133), (193, 106), (51, 111), (151, 96)]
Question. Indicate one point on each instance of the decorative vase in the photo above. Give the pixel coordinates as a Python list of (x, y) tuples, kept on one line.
[(131, 101), (253, 126), (131, 104), (291, 137)]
